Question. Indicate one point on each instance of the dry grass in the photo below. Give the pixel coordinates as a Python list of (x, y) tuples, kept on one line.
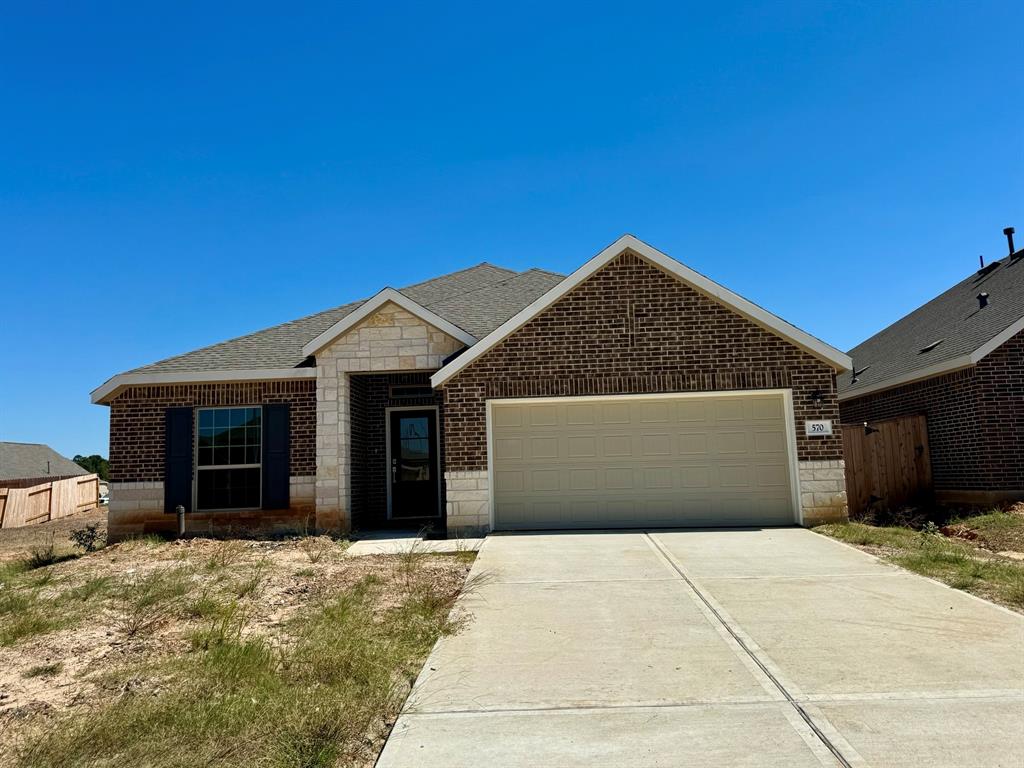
[(262, 654), (980, 566)]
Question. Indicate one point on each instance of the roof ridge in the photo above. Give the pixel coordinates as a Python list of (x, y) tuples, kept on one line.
[(456, 272), (954, 287), (489, 286)]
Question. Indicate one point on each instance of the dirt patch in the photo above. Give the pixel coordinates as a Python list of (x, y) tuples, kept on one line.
[(16, 543), (131, 607)]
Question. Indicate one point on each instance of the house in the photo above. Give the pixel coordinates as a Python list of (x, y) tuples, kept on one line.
[(29, 463), (633, 392), (959, 361)]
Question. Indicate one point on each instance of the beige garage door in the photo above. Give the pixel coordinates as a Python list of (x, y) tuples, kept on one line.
[(632, 462)]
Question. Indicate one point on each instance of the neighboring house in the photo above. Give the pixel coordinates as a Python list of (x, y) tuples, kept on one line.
[(24, 462), (634, 392), (959, 360)]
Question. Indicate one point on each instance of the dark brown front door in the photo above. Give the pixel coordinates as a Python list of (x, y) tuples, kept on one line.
[(413, 464)]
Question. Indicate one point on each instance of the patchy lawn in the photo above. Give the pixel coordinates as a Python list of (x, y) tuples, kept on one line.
[(251, 653), (982, 554)]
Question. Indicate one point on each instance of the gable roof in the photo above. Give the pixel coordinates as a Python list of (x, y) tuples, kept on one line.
[(277, 352), (966, 333), (24, 460), (387, 296), (699, 282)]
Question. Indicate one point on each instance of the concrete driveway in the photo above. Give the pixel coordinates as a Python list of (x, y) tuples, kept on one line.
[(773, 647)]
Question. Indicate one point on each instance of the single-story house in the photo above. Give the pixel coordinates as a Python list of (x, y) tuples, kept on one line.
[(959, 361), (633, 392), (24, 464)]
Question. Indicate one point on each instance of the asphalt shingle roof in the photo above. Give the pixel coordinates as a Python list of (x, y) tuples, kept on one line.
[(952, 318), (24, 460), (477, 299)]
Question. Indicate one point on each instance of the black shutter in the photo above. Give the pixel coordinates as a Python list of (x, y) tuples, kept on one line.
[(178, 459), (276, 439)]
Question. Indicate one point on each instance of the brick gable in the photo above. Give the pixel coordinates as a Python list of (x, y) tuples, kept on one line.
[(633, 329)]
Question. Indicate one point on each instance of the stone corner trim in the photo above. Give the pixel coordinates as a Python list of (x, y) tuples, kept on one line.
[(468, 501), (823, 492)]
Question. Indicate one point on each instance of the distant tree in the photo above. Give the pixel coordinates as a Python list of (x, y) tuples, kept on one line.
[(94, 463)]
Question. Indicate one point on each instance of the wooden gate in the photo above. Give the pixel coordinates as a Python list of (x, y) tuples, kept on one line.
[(887, 464)]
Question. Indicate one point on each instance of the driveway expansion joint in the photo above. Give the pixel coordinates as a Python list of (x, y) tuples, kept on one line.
[(804, 715)]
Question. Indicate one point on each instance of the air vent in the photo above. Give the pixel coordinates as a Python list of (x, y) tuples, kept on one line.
[(933, 345)]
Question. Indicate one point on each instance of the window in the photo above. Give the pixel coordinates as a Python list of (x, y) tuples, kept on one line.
[(228, 455)]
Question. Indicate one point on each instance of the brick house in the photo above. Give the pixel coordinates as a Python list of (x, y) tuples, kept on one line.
[(959, 360), (633, 392)]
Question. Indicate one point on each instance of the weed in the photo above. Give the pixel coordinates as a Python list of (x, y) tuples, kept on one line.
[(149, 601), (251, 584), (224, 554), (44, 670), (316, 547), (90, 538)]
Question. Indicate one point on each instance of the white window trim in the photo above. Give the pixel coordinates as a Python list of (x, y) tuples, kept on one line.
[(196, 469), (787, 407), (828, 354)]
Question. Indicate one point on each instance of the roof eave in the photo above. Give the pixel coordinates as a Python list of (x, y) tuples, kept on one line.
[(111, 388), (946, 366), (828, 354)]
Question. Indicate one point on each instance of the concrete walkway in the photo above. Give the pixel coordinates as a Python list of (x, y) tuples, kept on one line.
[(773, 647)]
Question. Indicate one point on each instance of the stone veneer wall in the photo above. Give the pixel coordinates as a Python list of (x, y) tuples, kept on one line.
[(633, 329), (822, 491), (392, 339), (467, 502)]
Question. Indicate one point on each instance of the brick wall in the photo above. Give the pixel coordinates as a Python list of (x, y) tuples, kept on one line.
[(975, 420), (633, 329), (137, 422), (1000, 378)]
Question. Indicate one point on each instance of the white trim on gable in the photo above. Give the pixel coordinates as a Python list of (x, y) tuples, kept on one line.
[(946, 366), (758, 315), (114, 385), (372, 305)]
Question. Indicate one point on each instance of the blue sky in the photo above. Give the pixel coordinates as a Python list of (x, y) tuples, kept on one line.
[(172, 175)]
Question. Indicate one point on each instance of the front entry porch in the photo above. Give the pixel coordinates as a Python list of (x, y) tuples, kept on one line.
[(396, 450)]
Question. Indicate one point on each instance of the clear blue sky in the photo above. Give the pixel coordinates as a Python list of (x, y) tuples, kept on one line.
[(173, 175)]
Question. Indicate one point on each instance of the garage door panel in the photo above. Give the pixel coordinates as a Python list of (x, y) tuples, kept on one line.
[(625, 462)]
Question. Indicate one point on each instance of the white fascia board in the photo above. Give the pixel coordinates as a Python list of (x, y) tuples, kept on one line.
[(835, 358), (372, 305), (997, 341), (114, 385), (946, 366)]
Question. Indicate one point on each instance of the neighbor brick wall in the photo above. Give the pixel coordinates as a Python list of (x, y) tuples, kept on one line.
[(975, 420), (633, 329), (137, 422)]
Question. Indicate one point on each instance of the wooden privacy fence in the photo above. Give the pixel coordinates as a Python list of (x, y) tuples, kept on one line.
[(887, 464), (47, 501)]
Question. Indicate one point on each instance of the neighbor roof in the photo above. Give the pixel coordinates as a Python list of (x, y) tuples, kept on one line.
[(907, 351), (477, 299), (24, 460)]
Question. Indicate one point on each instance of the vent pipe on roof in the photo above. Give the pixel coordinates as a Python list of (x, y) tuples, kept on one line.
[(1009, 238), (982, 300)]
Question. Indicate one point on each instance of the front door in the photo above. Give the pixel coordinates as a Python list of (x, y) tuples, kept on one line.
[(413, 464)]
